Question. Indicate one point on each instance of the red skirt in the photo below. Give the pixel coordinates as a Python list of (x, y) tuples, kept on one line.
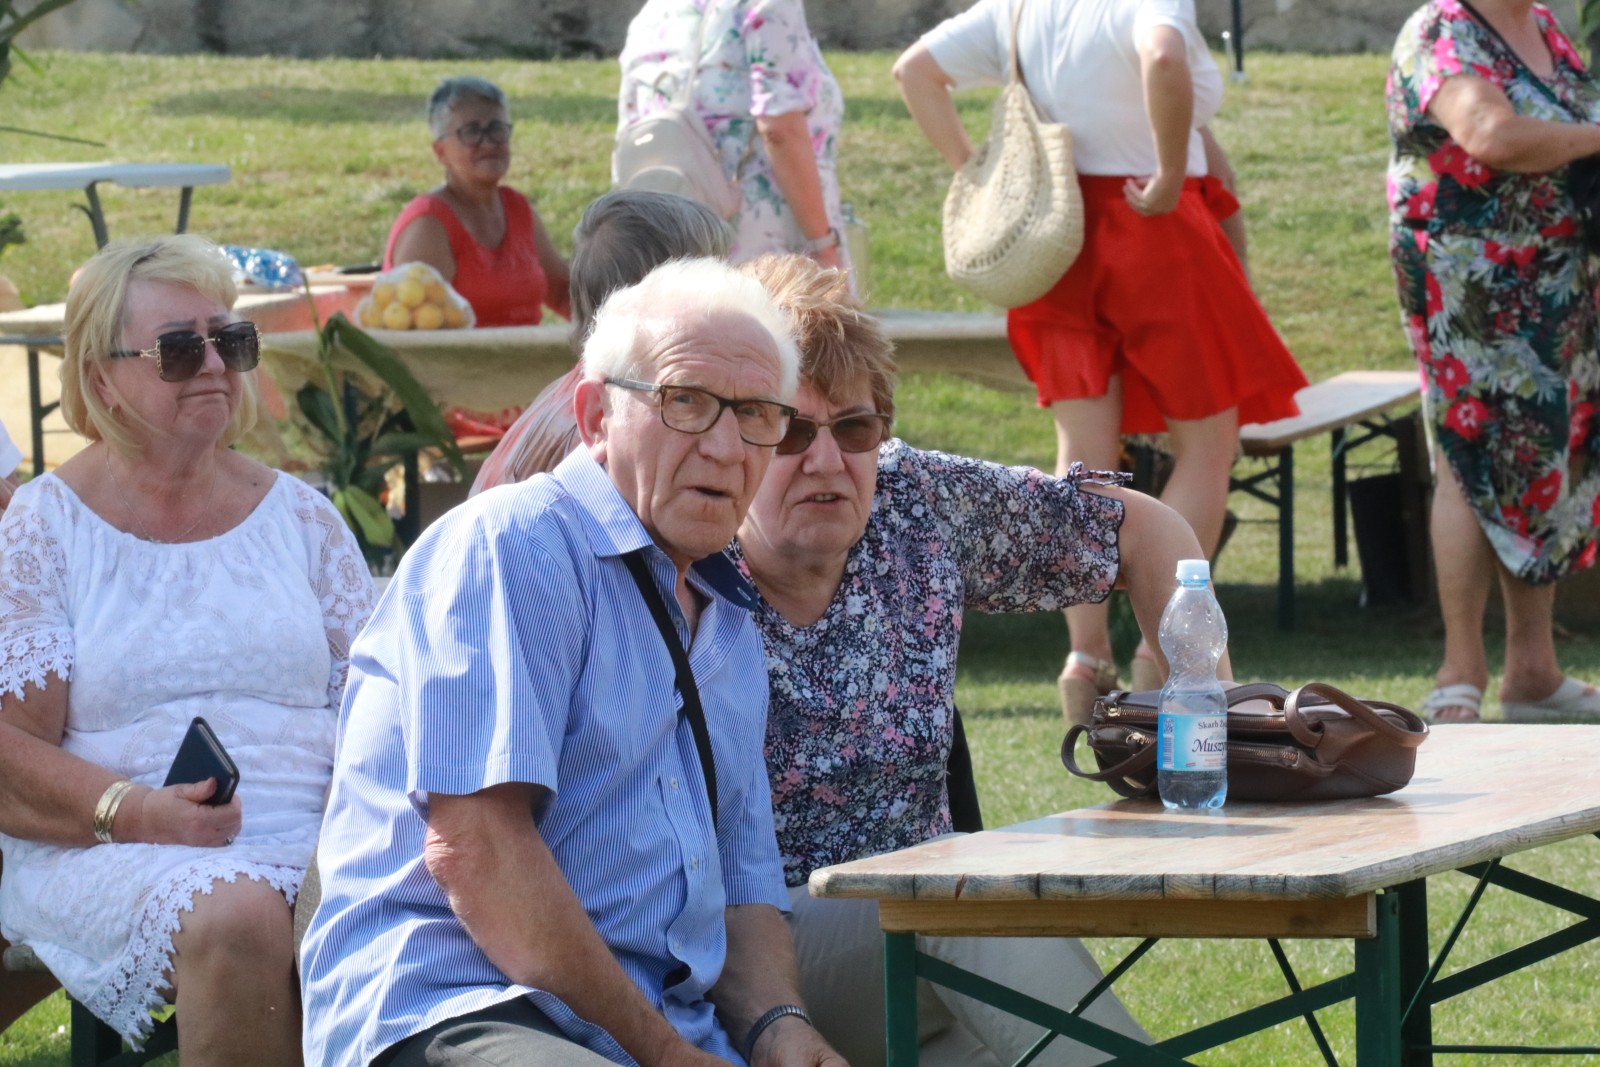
[(1164, 303)]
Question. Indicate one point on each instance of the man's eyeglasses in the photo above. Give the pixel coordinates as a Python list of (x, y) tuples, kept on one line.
[(689, 410), (474, 134), (852, 433), (179, 355)]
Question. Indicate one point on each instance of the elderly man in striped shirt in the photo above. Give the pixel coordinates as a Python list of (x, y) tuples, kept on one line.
[(533, 853)]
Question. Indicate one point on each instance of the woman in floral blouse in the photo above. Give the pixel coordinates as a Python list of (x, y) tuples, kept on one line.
[(769, 102), (1498, 295), (866, 552)]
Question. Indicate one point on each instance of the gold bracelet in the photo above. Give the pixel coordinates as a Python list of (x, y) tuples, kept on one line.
[(105, 812)]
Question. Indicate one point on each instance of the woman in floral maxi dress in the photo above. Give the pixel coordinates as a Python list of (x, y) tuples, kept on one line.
[(1498, 296), (770, 103)]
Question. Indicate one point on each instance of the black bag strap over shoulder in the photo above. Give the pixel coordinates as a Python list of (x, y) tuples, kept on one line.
[(640, 569)]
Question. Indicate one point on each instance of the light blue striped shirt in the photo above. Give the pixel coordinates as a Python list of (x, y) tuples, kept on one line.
[(513, 646)]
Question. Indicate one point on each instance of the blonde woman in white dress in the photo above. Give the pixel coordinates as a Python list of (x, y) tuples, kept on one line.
[(156, 576)]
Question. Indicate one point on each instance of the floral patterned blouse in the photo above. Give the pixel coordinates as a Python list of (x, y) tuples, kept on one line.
[(758, 58), (1498, 295), (858, 729)]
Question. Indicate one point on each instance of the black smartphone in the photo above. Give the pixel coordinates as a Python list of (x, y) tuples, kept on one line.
[(202, 756)]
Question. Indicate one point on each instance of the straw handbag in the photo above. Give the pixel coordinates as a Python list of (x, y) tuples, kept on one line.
[(1013, 219)]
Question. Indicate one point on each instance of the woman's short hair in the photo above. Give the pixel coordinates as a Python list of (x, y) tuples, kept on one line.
[(626, 234), (452, 91), (706, 286), (97, 313), (840, 344)]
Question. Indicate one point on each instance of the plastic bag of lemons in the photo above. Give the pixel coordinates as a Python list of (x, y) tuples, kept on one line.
[(413, 296)]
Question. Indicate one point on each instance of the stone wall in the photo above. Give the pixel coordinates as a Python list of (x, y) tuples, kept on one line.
[(544, 28)]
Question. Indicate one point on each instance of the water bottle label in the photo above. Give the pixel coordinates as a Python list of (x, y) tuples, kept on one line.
[(1193, 743)]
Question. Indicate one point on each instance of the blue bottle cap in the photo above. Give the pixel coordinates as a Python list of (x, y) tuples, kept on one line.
[(1194, 571)]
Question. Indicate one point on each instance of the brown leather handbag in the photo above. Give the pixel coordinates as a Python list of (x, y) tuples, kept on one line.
[(1316, 743)]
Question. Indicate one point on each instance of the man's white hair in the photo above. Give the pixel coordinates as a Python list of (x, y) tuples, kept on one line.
[(703, 286)]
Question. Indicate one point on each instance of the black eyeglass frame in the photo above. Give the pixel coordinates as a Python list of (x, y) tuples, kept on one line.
[(239, 350), (486, 131), (660, 389), (885, 425)]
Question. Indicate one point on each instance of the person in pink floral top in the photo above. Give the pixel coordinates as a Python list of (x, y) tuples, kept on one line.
[(769, 102), (866, 552), (1497, 294)]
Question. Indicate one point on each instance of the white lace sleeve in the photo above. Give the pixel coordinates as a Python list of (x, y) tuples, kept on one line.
[(35, 633), (339, 577)]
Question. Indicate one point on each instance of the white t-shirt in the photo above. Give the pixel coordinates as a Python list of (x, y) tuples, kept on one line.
[(10, 454), (1080, 59)]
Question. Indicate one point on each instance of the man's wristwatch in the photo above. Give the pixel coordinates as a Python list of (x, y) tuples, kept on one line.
[(823, 243)]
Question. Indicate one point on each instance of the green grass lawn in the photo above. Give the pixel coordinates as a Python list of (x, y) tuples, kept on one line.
[(325, 153)]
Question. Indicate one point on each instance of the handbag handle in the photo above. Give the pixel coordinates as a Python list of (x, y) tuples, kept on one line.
[(1016, 61), (1410, 736), (1121, 776), (1117, 776)]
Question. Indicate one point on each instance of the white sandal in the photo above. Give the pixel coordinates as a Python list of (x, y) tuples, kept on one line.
[(1459, 695), (1571, 700)]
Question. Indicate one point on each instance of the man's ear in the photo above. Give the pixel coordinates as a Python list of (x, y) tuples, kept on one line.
[(589, 406)]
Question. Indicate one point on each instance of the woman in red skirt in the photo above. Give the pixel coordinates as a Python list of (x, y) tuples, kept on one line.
[(1154, 328)]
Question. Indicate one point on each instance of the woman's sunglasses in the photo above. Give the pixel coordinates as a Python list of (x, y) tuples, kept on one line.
[(852, 433), (179, 355)]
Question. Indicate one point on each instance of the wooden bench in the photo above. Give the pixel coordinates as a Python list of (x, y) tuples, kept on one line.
[(1353, 408), (1361, 401)]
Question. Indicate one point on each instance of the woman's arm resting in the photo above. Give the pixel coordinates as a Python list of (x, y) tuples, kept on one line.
[(559, 281), (47, 794), (926, 89), (1479, 118), (1152, 541), (424, 240)]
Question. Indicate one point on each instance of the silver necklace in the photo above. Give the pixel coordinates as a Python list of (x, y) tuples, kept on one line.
[(145, 530)]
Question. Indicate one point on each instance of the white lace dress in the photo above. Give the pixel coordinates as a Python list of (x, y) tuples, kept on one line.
[(251, 629)]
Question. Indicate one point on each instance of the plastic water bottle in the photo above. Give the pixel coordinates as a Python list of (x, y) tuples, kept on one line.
[(1192, 727)]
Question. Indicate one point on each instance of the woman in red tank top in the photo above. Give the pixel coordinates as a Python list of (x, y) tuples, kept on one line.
[(483, 237)]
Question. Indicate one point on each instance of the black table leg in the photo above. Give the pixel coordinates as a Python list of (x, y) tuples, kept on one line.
[(1286, 539), (183, 208), (1341, 538), (35, 412)]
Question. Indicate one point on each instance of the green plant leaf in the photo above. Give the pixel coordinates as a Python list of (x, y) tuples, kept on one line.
[(394, 374), (399, 443), (317, 406), (1588, 21), (365, 514), (20, 21)]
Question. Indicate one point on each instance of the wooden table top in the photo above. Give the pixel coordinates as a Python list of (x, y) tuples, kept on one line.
[(1340, 401), (1481, 791)]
